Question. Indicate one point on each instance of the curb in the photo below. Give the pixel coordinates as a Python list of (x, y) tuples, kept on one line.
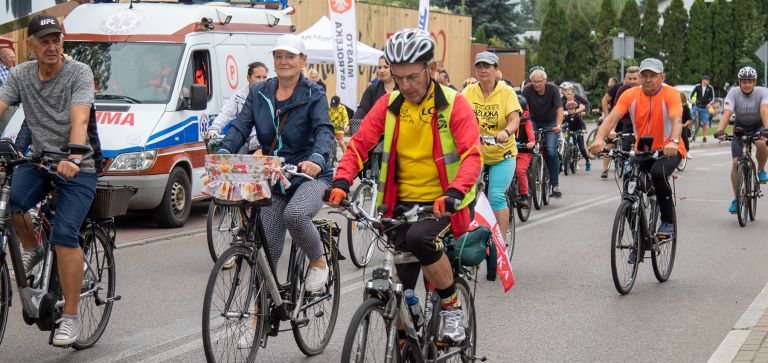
[(163, 237), (735, 339), (709, 145)]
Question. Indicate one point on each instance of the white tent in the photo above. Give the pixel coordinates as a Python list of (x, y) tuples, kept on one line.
[(319, 42)]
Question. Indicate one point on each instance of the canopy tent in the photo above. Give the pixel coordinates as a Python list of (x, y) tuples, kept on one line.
[(320, 44)]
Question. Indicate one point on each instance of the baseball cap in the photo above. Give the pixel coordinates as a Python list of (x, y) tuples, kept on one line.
[(42, 25), (486, 57), (291, 43), (705, 77), (335, 101), (652, 64)]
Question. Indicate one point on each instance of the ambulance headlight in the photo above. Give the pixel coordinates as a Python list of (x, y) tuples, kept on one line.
[(134, 161)]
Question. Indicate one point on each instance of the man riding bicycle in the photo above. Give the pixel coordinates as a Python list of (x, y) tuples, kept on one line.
[(655, 110), (56, 95), (431, 155), (750, 104), (702, 97)]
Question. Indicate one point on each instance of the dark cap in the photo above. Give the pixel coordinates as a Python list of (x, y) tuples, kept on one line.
[(42, 25), (335, 100), (705, 77)]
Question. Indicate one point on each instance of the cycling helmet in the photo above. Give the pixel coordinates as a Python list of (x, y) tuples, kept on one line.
[(571, 104), (409, 46), (747, 73), (522, 101), (536, 68), (566, 85)]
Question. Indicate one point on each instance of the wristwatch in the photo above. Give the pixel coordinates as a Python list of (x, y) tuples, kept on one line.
[(676, 141), (75, 161)]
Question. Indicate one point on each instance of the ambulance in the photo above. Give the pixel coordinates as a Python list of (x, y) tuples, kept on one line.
[(162, 72)]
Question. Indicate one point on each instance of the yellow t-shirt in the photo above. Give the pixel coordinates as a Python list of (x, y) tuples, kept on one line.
[(491, 114), (339, 118), (416, 169)]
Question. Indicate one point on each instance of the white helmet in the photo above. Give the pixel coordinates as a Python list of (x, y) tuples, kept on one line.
[(566, 85), (409, 46), (747, 73)]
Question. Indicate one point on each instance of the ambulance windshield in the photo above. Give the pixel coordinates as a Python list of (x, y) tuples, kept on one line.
[(130, 72)]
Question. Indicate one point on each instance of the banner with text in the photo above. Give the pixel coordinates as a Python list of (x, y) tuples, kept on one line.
[(344, 28), (423, 14), (484, 216)]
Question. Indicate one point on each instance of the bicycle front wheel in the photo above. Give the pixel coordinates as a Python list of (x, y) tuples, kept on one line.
[(5, 296), (367, 338), (545, 187), (754, 192), (509, 238), (591, 137), (663, 254), (98, 288), (625, 239), (742, 194), (234, 309), (534, 182), (222, 219), (469, 344), (360, 236), (696, 126), (566, 162)]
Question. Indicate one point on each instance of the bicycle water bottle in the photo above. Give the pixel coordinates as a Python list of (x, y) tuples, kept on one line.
[(413, 305), (627, 168)]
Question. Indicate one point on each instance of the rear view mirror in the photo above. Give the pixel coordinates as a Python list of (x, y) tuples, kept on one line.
[(198, 97)]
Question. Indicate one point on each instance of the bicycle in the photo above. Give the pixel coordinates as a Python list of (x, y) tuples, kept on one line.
[(222, 222), (571, 153), (250, 299), (40, 293), (695, 126), (638, 216), (747, 182), (540, 172), (372, 332)]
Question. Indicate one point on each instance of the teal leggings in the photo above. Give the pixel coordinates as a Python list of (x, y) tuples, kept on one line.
[(499, 178)]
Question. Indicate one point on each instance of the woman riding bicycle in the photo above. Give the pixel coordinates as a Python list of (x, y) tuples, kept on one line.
[(290, 114), (498, 114)]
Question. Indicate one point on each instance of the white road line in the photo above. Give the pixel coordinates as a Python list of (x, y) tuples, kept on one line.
[(732, 342), (589, 204), (168, 354)]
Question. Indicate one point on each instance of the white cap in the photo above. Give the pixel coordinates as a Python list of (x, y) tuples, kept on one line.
[(291, 43)]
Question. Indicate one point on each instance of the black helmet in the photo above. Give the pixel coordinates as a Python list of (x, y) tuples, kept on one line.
[(523, 102), (335, 100)]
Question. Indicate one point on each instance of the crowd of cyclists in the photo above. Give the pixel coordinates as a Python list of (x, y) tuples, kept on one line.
[(425, 140)]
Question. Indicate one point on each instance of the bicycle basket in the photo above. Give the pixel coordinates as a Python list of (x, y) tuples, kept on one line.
[(470, 248), (111, 201), (240, 177)]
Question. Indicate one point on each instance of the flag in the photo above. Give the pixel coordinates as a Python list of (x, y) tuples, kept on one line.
[(344, 29), (484, 216)]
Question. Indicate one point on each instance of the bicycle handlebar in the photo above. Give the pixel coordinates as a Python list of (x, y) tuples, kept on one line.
[(293, 170)]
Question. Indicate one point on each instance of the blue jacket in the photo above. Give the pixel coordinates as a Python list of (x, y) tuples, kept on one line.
[(307, 135)]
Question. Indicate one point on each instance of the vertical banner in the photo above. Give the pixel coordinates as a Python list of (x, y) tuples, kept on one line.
[(484, 216), (423, 14), (344, 29)]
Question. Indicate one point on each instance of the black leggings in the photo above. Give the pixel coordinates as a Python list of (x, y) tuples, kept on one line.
[(660, 170)]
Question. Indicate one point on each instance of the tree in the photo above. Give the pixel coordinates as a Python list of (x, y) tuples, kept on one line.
[(649, 30), (748, 24), (579, 58), (480, 35), (699, 41), (722, 43), (673, 42), (606, 19), (554, 31), (630, 18), (529, 15), (497, 17)]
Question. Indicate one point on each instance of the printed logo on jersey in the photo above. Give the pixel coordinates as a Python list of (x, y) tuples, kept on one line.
[(487, 116)]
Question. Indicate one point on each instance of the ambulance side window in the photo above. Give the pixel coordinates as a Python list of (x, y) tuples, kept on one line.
[(198, 72)]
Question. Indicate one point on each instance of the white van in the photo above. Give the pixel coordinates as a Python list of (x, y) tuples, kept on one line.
[(163, 70)]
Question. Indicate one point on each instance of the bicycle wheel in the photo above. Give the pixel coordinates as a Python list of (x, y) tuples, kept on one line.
[(545, 187), (574, 158), (98, 287), (742, 194), (509, 238), (624, 238), (522, 213), (5, 296), (367, 338), (534, 181), (360, 236), (663, 253), (222, 219), (314, 326), (683, 163), (754, 192), (566, 162), (234, 309), (591, 137), (469, 345)]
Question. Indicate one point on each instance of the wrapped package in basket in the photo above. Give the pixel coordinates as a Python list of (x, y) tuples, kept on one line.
[(237, 177)]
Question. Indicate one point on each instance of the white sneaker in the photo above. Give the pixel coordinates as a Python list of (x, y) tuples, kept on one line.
[(246, 339), (316, 279), (32, 257), (67, 332), (688, 155)]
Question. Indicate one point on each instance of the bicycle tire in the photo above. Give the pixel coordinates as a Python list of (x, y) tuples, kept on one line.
[(753, 194), (664, 259), (566, 162), (522, 213), (357, 233), (575, 156), (742, 194), (591, 137), (469, 345), (534, 182), (332, 289), (545, 187), (5, 297), (219, 235), (623, 278), (356, 349), (509, 238), (682, 164), (98, 254), (231, 279)]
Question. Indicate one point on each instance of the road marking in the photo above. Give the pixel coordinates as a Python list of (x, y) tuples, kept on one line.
[(731, 344), (168, 354), (557, 215)]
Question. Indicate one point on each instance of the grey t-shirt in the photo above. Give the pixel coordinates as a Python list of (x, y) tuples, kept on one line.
[(47, 104), (747, 107)]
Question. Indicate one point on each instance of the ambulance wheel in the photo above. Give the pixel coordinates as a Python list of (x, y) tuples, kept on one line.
[(176, 205)]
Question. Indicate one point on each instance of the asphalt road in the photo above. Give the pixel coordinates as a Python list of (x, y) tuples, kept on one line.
[(562, 308)]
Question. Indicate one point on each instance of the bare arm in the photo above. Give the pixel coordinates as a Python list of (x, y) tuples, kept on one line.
[(79, 115), (560, 116), (604, 103), (3, 107), (763, 115), (727, 116)]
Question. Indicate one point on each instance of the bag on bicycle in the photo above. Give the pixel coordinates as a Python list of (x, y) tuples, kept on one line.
[(470, 248)]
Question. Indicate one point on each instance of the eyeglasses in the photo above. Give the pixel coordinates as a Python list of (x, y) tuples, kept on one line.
[(411, 78), (483, 65)]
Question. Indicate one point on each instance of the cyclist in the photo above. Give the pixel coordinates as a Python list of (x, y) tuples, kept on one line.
[(56, 95), (631, 79), (750, 104), (432, 141), (574, 123), (498, 113), (702, 96), (525, 136), (340, 120), (655, 110), (546, 111), (257, 73), (290, 114)]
